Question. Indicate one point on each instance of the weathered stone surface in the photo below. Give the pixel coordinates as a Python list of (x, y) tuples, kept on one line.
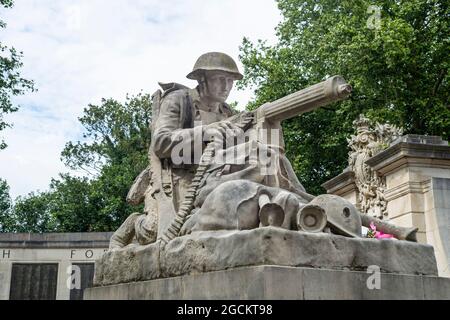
[(214, 251), (133, 263), (441, 204), (276, 283), (370, 140), (417, 173)]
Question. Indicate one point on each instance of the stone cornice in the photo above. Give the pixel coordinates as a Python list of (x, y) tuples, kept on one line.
[(55, 240), (407, 188), (342, 183), (427, 150)]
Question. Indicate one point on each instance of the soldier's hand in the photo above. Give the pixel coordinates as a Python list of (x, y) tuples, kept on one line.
[(231, 128), (217, 131), (213, 131), (223, 130), (228, 125)]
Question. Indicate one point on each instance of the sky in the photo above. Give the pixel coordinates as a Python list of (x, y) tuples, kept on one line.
[(79, 51)]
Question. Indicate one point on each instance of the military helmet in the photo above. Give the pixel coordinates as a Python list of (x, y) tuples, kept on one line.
[(214, 61), (331, 210)]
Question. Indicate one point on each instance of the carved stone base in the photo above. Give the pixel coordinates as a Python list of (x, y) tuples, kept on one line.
[(275, 283), (214, 251)]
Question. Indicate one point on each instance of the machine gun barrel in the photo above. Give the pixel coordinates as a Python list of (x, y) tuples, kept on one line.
[(323, 93)]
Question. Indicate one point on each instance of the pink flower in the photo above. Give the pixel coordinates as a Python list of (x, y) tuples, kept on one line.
[(378, 234), (381, 235)]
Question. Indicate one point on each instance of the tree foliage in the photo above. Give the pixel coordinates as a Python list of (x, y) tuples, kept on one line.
[(31, 214), (28, 214), (117, 138), (399, 73), (5, 207), (115, 151), (11, 82), (114, 132)]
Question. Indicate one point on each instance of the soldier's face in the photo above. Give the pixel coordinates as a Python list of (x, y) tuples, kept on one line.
[(219, 85)]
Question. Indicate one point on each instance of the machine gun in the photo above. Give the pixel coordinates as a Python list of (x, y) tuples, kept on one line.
[(267, 117), (262, 121), (270, 115)]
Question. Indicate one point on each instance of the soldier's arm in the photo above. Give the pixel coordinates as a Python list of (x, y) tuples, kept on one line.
[(169, 130)]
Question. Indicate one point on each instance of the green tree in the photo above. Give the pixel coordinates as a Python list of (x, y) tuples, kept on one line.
[(114, 133), (5, 207), (399, 73), (117, 138), (72, 205), (11, 83), (31, 214)]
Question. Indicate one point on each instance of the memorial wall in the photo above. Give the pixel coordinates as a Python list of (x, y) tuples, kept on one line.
[(48, 266)]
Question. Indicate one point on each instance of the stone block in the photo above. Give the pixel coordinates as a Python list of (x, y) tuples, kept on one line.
[(430, 220), (334, 284), (421, 237), (436, 289), (214, 251), (397, 178), (408, 203), (277, 283), (135, 263)]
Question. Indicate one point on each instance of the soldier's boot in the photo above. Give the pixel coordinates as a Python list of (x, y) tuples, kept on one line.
[(125, 234), (146, 228)]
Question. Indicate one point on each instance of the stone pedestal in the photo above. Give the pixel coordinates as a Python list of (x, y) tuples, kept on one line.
[(417, 173), (276, 282), (220, 250), (269, 263)]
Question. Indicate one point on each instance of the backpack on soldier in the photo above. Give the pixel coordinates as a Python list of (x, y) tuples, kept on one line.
[(136, 194)]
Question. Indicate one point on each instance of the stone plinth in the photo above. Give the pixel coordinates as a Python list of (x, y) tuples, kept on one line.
[(417, 174), (275, 282), (215, 251)]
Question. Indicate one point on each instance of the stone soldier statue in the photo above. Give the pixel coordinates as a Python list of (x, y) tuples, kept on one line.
[(187, 117), (220, 194), (187, 114), (178, 200)]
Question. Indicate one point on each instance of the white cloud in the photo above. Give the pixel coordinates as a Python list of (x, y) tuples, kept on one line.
[(79, 51)]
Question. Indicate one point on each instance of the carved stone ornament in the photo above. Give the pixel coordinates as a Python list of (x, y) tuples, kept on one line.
[(370, 140)]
